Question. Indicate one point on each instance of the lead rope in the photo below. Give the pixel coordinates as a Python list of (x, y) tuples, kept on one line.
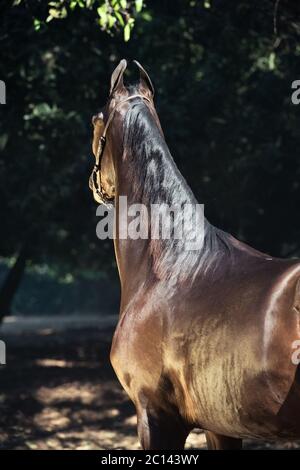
[(105, 199)]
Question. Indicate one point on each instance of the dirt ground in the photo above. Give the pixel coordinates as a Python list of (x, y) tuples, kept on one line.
[(58, 390)]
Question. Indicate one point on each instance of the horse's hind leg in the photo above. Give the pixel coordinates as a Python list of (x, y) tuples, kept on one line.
[(159, 430), (219, 442)]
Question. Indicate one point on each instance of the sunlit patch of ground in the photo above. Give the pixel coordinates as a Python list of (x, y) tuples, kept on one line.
[(58, 391)]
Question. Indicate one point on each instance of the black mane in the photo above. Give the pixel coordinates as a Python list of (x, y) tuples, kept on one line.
[(157, 180)]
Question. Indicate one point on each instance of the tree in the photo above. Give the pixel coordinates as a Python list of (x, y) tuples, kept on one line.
[(112, 16), (223, 83)]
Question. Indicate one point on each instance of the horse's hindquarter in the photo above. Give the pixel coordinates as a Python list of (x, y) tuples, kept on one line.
[(233, 354)]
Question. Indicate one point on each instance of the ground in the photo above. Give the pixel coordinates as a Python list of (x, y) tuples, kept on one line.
[(58, 390)]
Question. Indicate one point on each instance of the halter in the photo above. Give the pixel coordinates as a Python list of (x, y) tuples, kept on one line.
[(105, 199)]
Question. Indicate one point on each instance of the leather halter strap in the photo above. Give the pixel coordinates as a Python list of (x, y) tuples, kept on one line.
[(105, 199)]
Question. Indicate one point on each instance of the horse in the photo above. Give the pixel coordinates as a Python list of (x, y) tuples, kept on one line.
[(205, 338)]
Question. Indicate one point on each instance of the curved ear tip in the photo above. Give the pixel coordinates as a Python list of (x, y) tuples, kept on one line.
[(144, 76), (137, 63), (123, 62)]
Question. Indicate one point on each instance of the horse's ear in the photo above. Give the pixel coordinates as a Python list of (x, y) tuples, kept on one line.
[(145, 80), (116, 81)]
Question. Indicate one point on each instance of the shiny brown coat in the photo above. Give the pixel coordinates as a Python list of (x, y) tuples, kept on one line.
[(206, 339)]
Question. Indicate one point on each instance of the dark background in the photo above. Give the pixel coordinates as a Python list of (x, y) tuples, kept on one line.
[(222, 75), (223, 72)]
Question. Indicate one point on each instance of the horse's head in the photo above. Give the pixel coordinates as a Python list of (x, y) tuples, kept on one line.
[(103, 178)]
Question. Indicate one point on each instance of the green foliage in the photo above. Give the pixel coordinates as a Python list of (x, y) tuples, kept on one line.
[(223, 88), (112, 16)]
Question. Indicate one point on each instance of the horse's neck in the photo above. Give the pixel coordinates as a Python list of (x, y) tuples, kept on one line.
[(154, 181), (146, 174)]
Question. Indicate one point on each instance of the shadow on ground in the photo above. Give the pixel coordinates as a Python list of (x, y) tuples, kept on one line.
[(58, 391)]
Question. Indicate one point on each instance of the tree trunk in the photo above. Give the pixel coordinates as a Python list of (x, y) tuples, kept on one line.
[(12, 282)]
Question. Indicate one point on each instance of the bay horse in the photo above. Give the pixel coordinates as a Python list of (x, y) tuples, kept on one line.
[(205, 338)]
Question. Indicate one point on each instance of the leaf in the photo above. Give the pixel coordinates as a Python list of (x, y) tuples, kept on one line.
[(36, 24), (127, 31), (138, 5), (111, 21), (123, 4), (54, 13), (58, 14), (147, 16), (120, 18), (102, 12), (272, 63), (3, 141), (63, 12)]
